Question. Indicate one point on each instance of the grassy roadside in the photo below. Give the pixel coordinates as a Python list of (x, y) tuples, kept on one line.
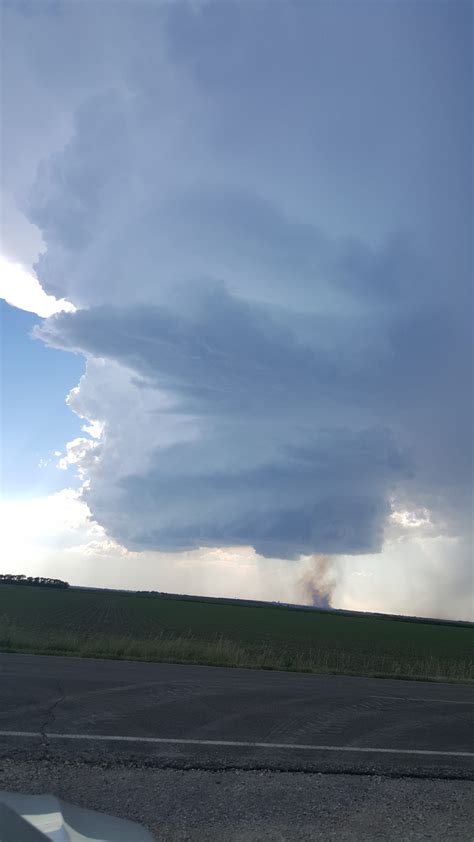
[(108, 625), (227, 653)]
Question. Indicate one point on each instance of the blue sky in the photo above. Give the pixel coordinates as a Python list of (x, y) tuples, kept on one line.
[(259, 216), (35, 419)]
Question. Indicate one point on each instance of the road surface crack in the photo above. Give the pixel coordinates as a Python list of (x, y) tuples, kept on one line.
[(51, 714)]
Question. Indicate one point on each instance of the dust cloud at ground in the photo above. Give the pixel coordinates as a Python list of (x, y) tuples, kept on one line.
[(317, 583)]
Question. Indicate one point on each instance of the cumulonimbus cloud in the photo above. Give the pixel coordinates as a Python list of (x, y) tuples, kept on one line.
[(260, 380)]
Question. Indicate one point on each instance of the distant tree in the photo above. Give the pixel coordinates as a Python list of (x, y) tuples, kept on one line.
[(41, 581)]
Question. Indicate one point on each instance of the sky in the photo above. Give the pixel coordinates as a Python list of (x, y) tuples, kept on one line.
[(236, 265)]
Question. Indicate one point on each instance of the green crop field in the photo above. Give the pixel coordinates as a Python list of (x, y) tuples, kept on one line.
[(120, 625)]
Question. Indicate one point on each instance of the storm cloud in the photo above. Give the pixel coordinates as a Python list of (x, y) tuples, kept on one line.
[(262, 219)]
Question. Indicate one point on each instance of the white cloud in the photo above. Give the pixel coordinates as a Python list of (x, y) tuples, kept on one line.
[(81, 453), (21, 288), (411, 520), (95, 429), (52, 521)]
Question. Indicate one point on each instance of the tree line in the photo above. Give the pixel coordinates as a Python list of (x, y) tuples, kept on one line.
[(42, 581)]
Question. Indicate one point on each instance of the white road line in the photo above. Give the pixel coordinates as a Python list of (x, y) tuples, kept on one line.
[(425, 699), (231, 743)]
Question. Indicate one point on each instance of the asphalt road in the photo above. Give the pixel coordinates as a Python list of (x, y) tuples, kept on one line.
[(191, 717), (198, 753)]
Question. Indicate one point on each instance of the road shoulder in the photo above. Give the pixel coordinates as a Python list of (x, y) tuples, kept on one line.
[(256, 805)]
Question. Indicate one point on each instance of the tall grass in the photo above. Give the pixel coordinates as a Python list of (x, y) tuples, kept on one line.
[(221, 651)]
